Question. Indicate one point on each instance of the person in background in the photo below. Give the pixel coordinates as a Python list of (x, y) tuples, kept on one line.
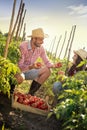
[(79, 56), (30, 51)]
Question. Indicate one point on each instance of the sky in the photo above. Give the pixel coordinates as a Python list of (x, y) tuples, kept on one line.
[(55, 17)]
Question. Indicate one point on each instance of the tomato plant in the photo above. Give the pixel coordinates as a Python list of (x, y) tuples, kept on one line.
[(7, 72), (13, 50)]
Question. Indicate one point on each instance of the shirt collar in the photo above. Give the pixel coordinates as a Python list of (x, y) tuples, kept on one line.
[(29, 46)]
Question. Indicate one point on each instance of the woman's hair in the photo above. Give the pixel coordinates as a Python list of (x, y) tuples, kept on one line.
[(74, 67)]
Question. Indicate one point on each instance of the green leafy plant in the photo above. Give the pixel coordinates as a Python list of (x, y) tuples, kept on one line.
[(13, 50), (7, 72), (72, 108)]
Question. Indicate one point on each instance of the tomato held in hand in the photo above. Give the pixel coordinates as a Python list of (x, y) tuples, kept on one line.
[(58, 65), (38, 64)]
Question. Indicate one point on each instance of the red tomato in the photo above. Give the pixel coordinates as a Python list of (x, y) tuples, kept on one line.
[(44, 106), (34, 105), (28, 95), (59, 64), (40, 103), (26, 102), (38, 64), (20, 100), (36, 99), (31, 100)]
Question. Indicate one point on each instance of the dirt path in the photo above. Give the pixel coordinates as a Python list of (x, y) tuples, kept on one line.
[(20, 120)]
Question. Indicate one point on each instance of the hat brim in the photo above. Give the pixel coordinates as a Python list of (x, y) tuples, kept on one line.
[(77, 52), (45, 36), (81, 53)]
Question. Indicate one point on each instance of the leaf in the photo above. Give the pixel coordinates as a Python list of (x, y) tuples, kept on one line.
[(3, 127), (49, 115), (68, 91), (82, 63)]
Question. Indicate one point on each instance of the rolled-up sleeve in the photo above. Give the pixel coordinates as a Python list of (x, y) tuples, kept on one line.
[(21, 63), (45, 58)]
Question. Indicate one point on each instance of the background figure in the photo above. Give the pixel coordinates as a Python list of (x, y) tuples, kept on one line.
[(79, 56)]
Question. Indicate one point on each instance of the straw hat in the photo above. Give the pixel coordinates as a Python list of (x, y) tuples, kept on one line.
[(38, 33), (82, 53)]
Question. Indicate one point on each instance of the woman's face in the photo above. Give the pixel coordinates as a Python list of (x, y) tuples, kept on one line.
[(75, 57)]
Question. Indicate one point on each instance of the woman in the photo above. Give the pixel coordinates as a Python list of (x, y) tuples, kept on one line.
[(79, 56)]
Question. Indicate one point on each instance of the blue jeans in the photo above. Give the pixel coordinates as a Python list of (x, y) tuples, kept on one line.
[(31, 74), (57, 88)]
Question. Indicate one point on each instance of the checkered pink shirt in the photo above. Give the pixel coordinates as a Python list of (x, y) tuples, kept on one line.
[(28, 57)]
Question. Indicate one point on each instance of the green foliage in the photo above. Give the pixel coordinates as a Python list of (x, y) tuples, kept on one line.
[(3, 127), (13, 50), (72, 108), (0, 32), (7, 72), (54, 74), (82, 75), (2, 44), (8, 68)]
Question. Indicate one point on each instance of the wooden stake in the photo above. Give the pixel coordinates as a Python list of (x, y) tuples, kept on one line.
[(73, 30), (19, 21), (53, 45), (63, 44), (22, 21), (10, 29), (68, 42), (24, 33), (58, 45), (15, 25)]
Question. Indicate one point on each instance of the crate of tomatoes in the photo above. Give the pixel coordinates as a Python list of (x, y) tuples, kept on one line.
[(27, 102)]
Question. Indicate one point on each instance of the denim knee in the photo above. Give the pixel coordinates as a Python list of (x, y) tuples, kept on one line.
[(57, 87)]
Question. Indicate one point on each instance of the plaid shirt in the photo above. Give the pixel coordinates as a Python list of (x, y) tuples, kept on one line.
[(28, 57)]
